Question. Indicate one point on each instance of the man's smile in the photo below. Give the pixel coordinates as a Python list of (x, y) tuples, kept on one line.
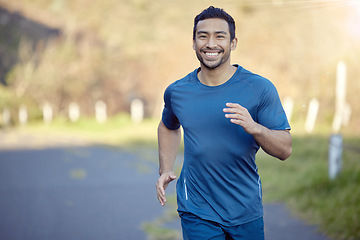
[(211, 54)]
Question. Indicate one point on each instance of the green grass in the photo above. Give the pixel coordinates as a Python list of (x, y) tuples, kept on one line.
[(157, 230), (118, 130), (301, 182)]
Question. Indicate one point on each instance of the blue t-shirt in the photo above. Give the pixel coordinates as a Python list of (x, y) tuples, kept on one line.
[(219, 179)]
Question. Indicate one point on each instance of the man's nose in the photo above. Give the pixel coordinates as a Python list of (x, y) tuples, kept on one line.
[(211, 42)]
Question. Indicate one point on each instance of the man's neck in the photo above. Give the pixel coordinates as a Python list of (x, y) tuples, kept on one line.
[(217, 76)]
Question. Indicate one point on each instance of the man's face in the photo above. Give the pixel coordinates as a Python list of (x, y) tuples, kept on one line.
[(212, 42)]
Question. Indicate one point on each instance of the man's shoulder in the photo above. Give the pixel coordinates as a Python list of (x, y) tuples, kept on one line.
[(254, 80), (189, 78), (247, 75)]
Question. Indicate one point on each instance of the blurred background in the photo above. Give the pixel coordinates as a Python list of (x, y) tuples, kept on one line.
[(111, 60), (61, 51)]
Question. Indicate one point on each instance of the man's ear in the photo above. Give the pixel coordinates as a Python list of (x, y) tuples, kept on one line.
[(194, 44), (234, 44)]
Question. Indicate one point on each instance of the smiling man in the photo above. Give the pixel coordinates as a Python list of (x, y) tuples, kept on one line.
[(227, 113)]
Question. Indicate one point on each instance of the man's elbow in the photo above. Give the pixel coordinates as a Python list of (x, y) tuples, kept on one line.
[(287, 148), (286, 154)]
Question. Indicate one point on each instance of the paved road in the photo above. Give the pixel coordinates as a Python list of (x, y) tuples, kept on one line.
[(75, 193), (95, 193)]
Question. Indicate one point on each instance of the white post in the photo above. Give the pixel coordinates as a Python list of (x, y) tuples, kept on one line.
[(137, 110), (23, 115), (340, 96), (74, 112), (100, 112), (312, 115), (347, 115), (288, 107), (47, 113), (335, 155)]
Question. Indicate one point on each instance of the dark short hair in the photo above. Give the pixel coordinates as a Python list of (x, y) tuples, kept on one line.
[(213, 12)]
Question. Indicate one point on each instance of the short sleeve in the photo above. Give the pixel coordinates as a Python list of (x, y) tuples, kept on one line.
[(271, 113), (168, 116)]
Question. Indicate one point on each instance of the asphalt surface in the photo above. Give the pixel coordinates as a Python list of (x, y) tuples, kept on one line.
[(75, 193), (95, 192)]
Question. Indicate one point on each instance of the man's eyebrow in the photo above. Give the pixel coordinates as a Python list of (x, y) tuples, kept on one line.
[(216, 32), (202, 32)]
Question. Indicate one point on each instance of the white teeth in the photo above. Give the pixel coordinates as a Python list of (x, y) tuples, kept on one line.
[(212, 54)]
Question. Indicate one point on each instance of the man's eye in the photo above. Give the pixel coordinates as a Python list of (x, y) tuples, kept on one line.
[(202, 36), (220, 36)]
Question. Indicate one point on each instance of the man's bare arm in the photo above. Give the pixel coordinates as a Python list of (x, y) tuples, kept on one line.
[(169, 141), (277, 143)]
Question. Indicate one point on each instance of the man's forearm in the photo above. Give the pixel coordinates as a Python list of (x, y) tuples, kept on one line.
[(277, 143), (169, 141)]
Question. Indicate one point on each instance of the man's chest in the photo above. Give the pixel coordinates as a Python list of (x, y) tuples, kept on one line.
[(197, 108)]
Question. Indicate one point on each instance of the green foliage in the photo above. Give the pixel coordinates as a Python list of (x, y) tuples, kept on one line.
[(332, 204), (116, 50), (8, 101), (302, 182), (157, 232), (5, 97), (118, 130), (66, 72)]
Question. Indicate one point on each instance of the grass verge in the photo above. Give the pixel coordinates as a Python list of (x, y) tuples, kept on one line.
[(302, 182), (117, 131)]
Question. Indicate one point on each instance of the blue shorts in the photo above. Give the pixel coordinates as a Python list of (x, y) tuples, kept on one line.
[(195, 228)]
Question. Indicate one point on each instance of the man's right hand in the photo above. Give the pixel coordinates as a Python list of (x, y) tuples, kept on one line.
[(161, 185)]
